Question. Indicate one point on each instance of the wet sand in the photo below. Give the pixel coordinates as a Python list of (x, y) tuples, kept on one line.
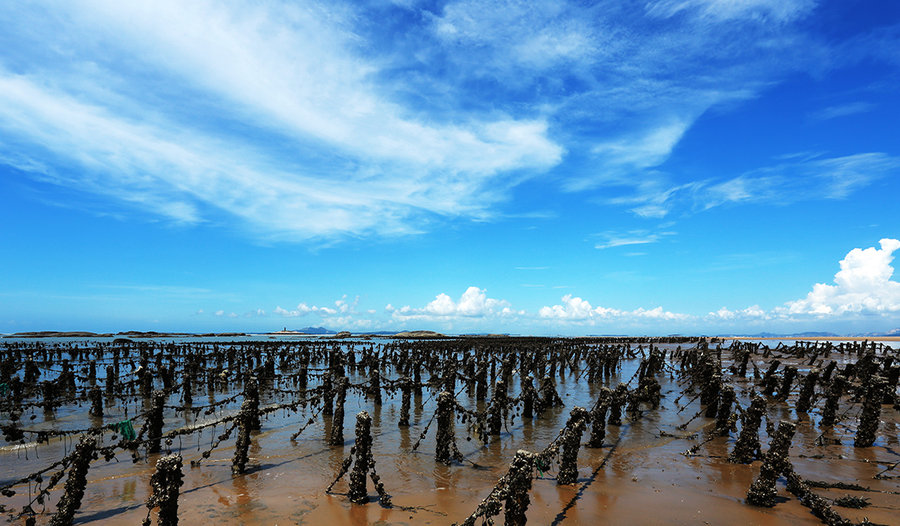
[(640, 476)]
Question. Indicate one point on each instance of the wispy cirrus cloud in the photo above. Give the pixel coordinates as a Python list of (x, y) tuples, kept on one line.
[(796, 179), (842, 110), (299, 120), (268, 113), (630, 238), (775, 10)]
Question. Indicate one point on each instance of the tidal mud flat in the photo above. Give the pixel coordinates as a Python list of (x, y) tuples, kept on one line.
[(453, 430)]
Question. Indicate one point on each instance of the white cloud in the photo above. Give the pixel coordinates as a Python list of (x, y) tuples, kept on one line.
[(303, 309), (323, 151), (862, 286), (346, 309), (799, 178), (843, 110), (831, 178), (575, 309), (777, 10), (308, 119), (754, 312), (473, 303), (533, 34), (649, 149), (630, 238)]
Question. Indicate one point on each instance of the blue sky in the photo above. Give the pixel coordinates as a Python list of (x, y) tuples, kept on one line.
[(691, 166)]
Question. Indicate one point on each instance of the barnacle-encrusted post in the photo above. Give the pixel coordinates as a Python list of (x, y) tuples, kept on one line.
[(406, 390), (890, 390), (829, 369), (747, 445), (450, 374), (835, 390), (742, 368), (48, 389), (528, 397), (769, 381), (251, 394), (871, 412), (186, 386), (807, 388), (511, 490), (365, 463), (375, 385), (302, 376), (713, 388), (724, 419), (762, 492), (145, 379), (155, 421), (327, 393), (495, 411), (337, 421), (96, 398), (520, 474), (549, 396), (445, 447), (571, 442), (75, 484), (598, 419), (242, 445), (616, 401), (110, 381), (358, 492), (819, 506), (166, 483), (481, 381), (790, 372)]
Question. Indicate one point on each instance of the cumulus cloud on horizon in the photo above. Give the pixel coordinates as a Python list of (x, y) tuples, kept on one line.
[(575, 309), (473, 303), (862, 286), (341, 306)]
